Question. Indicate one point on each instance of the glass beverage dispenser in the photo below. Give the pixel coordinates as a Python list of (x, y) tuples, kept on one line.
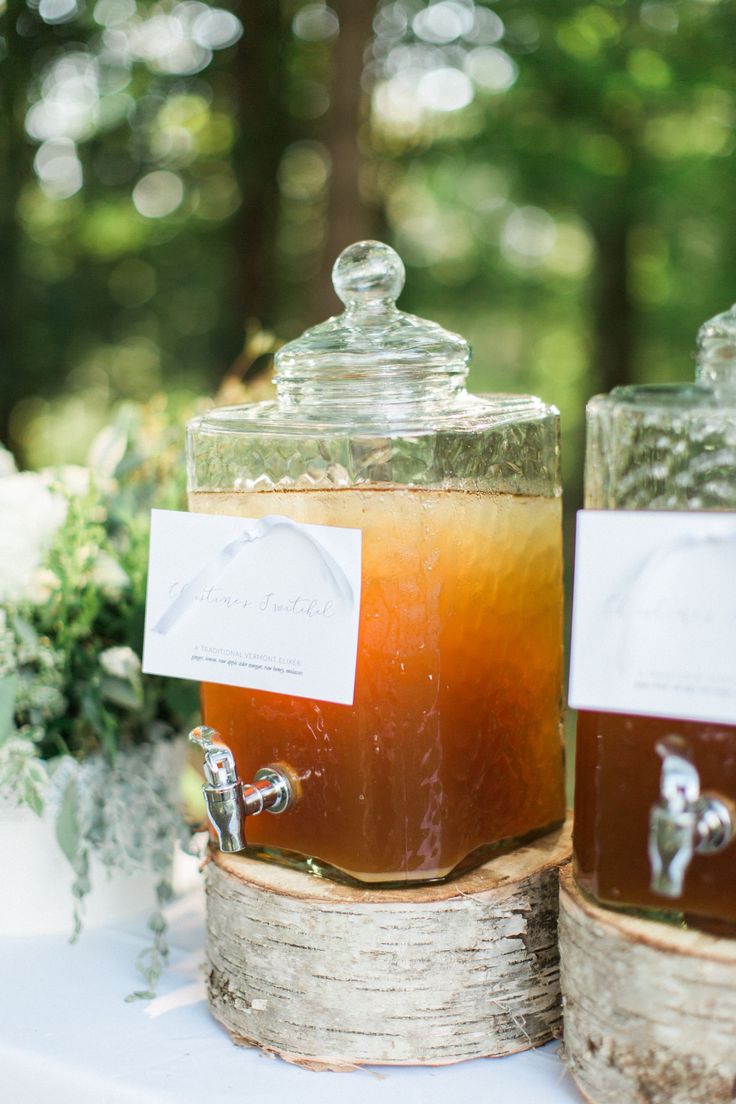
[(452, 746), (654, 799)]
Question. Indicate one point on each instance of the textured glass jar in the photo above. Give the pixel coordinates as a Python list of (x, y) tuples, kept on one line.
[(667, 447), (452, 746)]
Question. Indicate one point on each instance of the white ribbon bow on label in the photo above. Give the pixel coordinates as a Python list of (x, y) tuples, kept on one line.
[(260, 531)]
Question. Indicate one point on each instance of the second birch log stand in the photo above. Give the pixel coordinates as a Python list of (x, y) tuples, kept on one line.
[(334, 977), (650, 1009)]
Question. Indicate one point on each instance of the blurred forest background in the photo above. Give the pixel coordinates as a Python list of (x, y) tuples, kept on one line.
[(176, 179)]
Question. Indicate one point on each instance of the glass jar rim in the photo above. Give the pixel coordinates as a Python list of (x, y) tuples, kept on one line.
[(663, 394)]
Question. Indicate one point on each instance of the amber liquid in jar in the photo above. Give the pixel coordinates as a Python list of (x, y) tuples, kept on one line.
[(453, 741), (617, 782)]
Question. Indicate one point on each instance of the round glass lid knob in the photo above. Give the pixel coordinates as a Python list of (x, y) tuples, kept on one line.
[(368, 272)]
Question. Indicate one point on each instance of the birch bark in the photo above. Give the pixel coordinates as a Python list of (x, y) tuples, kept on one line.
[(650, 1009), (333, 977)]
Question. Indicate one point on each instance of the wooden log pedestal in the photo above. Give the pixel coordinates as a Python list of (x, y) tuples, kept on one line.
[(650, 1009), (333, 977)]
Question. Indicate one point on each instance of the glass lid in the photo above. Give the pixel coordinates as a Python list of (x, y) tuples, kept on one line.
[(716, 362), (715, 374), (373, 368), (371, 333)]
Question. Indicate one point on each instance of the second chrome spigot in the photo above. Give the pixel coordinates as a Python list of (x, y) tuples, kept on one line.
[(684, 822), (229, 801)]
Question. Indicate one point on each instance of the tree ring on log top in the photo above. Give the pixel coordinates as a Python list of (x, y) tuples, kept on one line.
[(333, 977)]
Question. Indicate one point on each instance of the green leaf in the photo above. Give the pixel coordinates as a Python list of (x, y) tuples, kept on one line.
[(27, 635), (101, 722), (126, 694), (33, 799), (21, 772), (181, 697), (67, 825), (140, 994), (8, 691)]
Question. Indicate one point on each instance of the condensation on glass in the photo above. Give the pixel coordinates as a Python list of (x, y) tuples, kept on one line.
[(641, 781), (452, 746)]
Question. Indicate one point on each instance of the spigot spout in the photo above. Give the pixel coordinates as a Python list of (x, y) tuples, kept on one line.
[(671, 849), (683, 823), (228, 800)]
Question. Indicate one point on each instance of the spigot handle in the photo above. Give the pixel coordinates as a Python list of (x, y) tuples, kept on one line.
[(683, 822), (223, 791), (202, 736), (219, 762), (229, 801)]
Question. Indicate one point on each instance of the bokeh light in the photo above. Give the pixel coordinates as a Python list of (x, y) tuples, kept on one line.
[(444, 21), (444, 89), (528, 236), (58, 168), (158, 194), (491, 69), (519, 156), (57, 11), (316, 23)]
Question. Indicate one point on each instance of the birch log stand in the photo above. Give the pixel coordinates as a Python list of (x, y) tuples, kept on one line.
[(332, 977), (650, 1009)]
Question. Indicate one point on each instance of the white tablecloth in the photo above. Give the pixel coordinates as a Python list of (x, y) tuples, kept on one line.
[(68, 1037)]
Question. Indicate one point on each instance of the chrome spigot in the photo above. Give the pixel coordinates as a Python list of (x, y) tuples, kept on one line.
[(229, 801), (684, 822)]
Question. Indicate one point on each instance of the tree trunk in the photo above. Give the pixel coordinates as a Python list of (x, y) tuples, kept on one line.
[(331, 977), (15, 170), (613, 310), (265, 129), (349, 219)]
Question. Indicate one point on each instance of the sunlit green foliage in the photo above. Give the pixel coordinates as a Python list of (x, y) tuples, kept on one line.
[(577, 223), (557, 178)]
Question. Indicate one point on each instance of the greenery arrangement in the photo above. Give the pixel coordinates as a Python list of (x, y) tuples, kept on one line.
[(82, 730)]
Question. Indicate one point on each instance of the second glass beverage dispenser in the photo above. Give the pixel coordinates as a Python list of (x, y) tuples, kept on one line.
[(452, 746), (655, 794)]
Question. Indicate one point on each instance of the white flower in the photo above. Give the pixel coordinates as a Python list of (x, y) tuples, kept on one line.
[(105, 454), (7, 463), (46, 702), (121, 663), (30, 516), (42, 585), (108, 576), (72, 478), (122, 683)]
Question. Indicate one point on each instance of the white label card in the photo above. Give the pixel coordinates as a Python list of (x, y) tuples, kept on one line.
[(654, 614), (267, 604)]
